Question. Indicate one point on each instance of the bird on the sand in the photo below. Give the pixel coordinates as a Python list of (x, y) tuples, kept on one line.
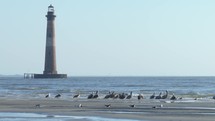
[(140, 96), (96, 95), (58, 95), (152, 96), (90, 96), (48, 95), (108, 106), (159, 106), (80, 105), (132, 105), (165, 96), (76, 96), (173, 97), (159, 96), (129, 96), (37, 105)]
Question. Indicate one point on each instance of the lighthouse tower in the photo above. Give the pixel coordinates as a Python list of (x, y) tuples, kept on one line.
[(50, 69), (50, 55)]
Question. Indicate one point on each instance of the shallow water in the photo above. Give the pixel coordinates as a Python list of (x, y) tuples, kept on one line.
[(188, 87), (41, 117)]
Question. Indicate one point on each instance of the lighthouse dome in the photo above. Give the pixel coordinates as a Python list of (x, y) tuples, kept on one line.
[(51, 8)]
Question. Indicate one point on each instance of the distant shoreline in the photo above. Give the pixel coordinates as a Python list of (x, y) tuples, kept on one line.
[(18, 75)]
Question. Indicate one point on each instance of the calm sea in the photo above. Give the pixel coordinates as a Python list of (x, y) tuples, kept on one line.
[(187, 87)]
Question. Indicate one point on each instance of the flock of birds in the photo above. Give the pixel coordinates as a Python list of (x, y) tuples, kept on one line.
[(113, 95)]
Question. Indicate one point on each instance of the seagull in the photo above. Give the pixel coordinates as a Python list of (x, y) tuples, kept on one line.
[(160, 106), (37, 105), (152, 96), (129, 96), (48, 95), (57, 96), (108, 106), (76, 96), (80, 105), (132, 105)]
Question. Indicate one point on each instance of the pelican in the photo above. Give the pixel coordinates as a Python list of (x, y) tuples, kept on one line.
[(48, 95), (108, 95), (129, 96), (90, 96), (152, 96), (140, 96), (57, 96), (96, 95), (159, 96), (112, 95), (76, 96), (165, 96), (122, 96), (173, 97), (116, 96)]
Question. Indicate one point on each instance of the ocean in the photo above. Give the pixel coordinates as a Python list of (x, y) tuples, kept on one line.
[(186, 87)]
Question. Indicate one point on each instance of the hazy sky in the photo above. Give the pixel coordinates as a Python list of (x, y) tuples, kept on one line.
[(111, 37)]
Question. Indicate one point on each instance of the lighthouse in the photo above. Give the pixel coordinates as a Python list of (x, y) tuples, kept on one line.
[(50, 68), (50, 54)]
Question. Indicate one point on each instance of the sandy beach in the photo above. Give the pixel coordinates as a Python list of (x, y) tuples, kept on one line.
[(146, 109)]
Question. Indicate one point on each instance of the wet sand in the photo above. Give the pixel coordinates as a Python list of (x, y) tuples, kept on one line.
[(145, 109)]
